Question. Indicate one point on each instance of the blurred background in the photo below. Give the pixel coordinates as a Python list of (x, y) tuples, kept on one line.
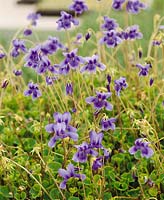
[(13, 16)]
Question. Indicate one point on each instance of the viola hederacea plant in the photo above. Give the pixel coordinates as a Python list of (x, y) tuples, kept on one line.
[(78, 6), (61, 128), (65, 21), (69, 173), (143, 147), (100, 101), (82, 107)]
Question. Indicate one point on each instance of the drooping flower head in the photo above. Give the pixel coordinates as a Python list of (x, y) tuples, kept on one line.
[(27, 32), (151, 81), (143, 147), (61, 128), (120, 84), (69, 89), (107, 124), (78, 6), (109, 82), (109, 24), (33, 17), (87, 36), (144, 69), (111, 39), (100, 101), (91, 64), (69, 173), (18, 46), (134, 6), (65, 21), (33, 90)]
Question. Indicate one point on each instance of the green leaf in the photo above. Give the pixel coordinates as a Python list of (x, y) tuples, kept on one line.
[(54, 166), (74, 198), (23, 195), (35, 191), (73, 190), (153, 191), (29, 144), (107, 196), (96, 178), (54, 193), (4, 191)]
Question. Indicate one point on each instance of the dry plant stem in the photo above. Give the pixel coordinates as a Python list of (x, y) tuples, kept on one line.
[(68, 39), (15, 163), (61, 95)]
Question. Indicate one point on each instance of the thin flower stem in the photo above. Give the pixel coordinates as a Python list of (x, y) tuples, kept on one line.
[(47, 168)]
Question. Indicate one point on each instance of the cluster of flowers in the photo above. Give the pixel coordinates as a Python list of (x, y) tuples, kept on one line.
[(62, 129), (132, 6), (112, 36)]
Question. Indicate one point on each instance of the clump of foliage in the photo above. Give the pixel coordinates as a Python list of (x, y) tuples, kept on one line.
[(83, 119)]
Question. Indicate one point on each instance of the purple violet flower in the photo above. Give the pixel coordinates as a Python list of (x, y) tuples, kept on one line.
[(96, 139), (97, 163), (83, 151), (91, 64), (156, 43), (33, 17), (18, 45), (108, 124), (37, 60), (50, 80), (61, 128), (120, 84), (100, 101), (69, 89), (134, 6), (117, 4), (51, 46), (109, 24), (65, 21), (33, 90), (27, 32), (69, 173), (111, 39), (144, 69), (2, 55), (143, 147), (78, 6), (132, 33), (17, 72)]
